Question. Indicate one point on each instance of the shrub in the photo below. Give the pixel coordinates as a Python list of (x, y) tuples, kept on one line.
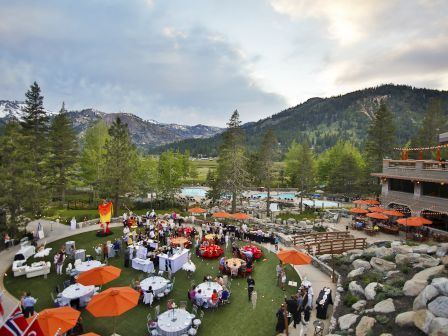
[(350, 299), (366, 256), (404, 269), (342, 260), (319, 228), (389, 257), (372, 276), (383, 319), (396, 282), (388, 291)]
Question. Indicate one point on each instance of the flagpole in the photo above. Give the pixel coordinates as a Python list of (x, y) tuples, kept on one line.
[(57, 332), (9, 315), (35, 316)]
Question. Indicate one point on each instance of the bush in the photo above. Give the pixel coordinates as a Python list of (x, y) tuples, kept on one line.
[(342, 260), (388, 291), (404, 269), (319, 228), (382, 319), (366, 256), (350, 299), (396, 282), (389, 257), (371, 276)]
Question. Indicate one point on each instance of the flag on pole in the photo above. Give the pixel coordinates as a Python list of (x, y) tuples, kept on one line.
[(105, 211), (15, 325), (2, 310), (33, 327)]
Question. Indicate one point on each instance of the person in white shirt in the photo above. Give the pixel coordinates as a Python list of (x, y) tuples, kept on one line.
[(227, 238), (126, 230)]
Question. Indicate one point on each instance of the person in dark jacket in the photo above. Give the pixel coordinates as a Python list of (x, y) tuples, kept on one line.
[(280, 326), (127, 257), (293, 309)]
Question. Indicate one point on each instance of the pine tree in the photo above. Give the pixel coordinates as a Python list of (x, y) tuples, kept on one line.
[(266, 156), (380, 142), (232, 161), (35, 131), (64, 151), (119, 170)]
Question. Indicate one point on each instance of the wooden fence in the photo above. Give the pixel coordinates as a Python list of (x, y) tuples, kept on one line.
[(336, 246), (307, 238)]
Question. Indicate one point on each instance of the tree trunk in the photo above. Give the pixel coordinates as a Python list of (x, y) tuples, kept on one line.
[(268, 201), (116, 205), (233, 202)]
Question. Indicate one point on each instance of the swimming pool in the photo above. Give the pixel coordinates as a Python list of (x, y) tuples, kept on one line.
[(194, 192), (275, 195), (320, 204)]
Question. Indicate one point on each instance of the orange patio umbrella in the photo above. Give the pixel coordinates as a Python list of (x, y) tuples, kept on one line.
[(197, 210), (393, 213), (57, 320), (240, 216), (294, 257), (222, 214), (377, 215), (414, 221), (372, 202), (113, 302), (99, 275), (90, 334), (358, 211), (376, 209), (360, 202)]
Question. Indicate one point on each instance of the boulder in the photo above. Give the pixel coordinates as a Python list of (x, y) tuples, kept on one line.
[(439, 307), (423, 248), (364, 326), (407, 258), (441, 284), (340, 289), (432, 249), (346, 321), (426, 261), (395, 243), (405, 319), (359, 305), (384, 307), (355, 251), (438, 327), (325, 257), (414, 287), (423, 319), (370, 290), (429, 272), (442, 250), (355, 273), (390, 273), (444, 260), (382, 252), (382, 265), (426, 295), (355, 289), (402, 249), (358, 263)]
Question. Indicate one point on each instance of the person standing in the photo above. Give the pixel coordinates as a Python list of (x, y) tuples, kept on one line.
[(293, 309), (279, 269), (283, 279), (250, 286), (280, 326), (105, 252), (28, 303), (59, 261), (127, 257)]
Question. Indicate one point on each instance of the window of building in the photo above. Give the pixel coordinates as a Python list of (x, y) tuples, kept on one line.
[(401, 185), (435, 189)]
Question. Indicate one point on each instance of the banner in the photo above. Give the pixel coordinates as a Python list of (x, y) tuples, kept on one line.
[(15, 325), (105, 211), (33, 328)]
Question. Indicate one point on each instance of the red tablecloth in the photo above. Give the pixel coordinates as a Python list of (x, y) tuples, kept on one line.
[(211, 251), (188, 231), (256, 251)]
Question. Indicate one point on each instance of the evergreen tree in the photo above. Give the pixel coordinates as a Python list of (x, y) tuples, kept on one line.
[(35, 130), (170, 172), (380, 142), (146, 171), (64, 151), (119, 170), (94, 154), (266, 156), (345, 176), (232, 166), (300, 166), (15, 173), (214, 193)]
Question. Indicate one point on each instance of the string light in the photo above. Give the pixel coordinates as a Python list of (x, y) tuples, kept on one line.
[(421, 148)]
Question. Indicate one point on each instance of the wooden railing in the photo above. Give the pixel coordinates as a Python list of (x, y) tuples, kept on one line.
[(336, 246), (307, 238)]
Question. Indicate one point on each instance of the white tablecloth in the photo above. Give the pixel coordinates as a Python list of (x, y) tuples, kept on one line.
[(143, 265), (87, 265), (157, 283), (207, 289), (174, 322), (43, 253), (77, 291), (26, 251), (174, 262), (142, 253)]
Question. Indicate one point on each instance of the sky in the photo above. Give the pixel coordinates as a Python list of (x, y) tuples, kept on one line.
[(196, 61)]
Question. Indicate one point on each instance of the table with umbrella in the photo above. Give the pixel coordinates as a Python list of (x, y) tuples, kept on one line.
[(56, 321), (99, 275), (113, 302), (414, 222)]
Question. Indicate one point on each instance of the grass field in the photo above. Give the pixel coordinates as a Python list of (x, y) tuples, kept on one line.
[(237, 318)]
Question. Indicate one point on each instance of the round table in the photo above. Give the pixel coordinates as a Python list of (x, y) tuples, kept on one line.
[(188, 231), (174, 322), (157, 283), (210, 236), (180, 241), (256, 251), (211, 251), (236, 261), (207, 288), (87, 265), (76, 291)]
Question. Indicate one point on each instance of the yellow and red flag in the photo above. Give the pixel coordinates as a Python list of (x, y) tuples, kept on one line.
[(105, 211)]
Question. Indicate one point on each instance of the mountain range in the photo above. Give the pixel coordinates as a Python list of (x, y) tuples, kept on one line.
[(324, 121), (146, 134)]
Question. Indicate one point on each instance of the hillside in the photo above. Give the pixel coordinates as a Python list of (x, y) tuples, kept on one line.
[(145, 134), (324, 121)]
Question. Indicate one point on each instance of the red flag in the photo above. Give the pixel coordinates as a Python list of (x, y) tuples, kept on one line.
[(2, 310), (15, 325), (34, 329)]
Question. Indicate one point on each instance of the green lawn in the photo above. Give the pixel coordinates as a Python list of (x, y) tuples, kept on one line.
[(236, 318)]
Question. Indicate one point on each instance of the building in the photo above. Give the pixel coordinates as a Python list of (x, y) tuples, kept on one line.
[(417, 187)]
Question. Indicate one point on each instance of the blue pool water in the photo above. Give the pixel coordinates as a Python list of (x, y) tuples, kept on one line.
[(281, 196), (320, 204), (194, 192)]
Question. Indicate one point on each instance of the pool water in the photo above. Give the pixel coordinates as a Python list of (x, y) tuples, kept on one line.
[(194, 192), (320, 204), (275, 195)]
